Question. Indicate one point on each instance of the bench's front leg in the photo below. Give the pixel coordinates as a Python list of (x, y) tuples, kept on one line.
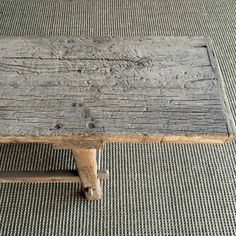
[(87, 169)]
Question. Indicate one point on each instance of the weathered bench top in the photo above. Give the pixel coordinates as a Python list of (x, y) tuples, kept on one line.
[(112, 90)]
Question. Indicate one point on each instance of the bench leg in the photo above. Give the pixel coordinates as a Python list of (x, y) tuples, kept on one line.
[(87, 169)]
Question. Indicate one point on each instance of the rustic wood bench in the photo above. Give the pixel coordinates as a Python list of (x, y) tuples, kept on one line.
[(79, 93)]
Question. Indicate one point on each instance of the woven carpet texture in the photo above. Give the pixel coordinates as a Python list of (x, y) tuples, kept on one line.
[(154, 189)]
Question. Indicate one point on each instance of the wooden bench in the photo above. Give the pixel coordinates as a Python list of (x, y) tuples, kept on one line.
[(79, 93)]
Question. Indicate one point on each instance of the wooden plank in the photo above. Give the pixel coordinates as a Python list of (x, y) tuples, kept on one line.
[(146, 89), (66, 176)]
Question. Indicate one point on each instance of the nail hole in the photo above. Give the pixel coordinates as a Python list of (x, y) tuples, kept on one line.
[(91, 125), (58, 126)]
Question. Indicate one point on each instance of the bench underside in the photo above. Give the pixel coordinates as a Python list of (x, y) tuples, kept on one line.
[(96, 140)]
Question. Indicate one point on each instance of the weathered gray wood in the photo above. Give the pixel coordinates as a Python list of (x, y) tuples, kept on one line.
[(111, 89), (66, 176)]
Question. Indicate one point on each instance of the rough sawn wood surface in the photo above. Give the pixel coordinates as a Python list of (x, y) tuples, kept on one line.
[(111, 89)]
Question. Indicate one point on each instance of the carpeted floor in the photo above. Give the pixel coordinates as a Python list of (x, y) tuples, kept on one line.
[(154, 189)]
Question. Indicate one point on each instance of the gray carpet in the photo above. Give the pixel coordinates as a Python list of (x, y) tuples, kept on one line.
[(154, 189)]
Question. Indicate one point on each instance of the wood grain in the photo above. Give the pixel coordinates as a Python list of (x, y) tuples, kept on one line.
[(112, 90), (86, 163), (78, 144), (66, 176)]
